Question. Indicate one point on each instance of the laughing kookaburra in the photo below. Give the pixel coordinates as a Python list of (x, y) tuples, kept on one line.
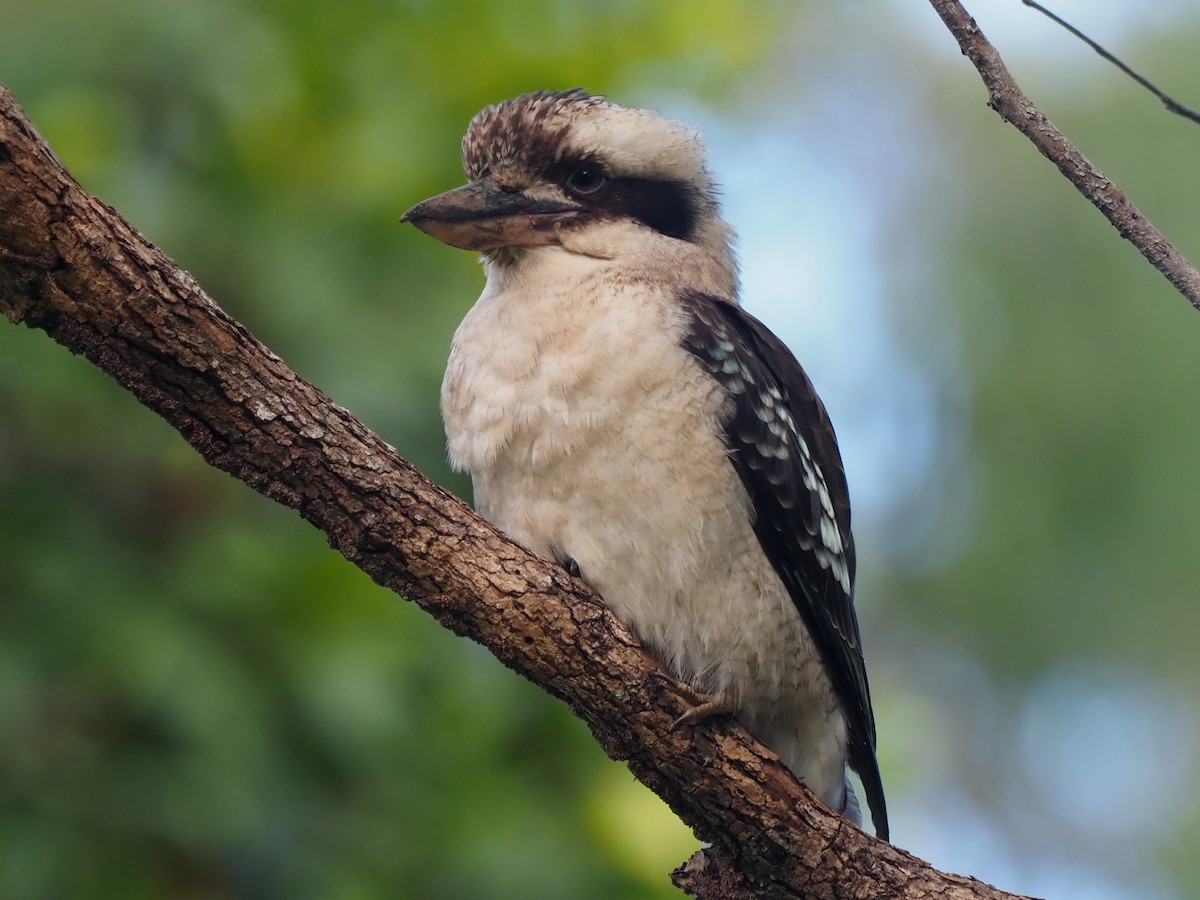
[(619, 412)]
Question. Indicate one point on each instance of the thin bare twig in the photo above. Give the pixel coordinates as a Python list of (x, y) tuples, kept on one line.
[(1170, 103), (1007, 99)]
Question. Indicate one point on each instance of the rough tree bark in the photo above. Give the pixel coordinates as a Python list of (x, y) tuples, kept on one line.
[(72, 267)]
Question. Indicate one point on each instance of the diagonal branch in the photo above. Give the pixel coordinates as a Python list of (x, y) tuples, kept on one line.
[(1170, 103), (1007, 99), (72, 267)]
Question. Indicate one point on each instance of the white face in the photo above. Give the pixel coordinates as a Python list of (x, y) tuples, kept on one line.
[(594, 178), (640, 143)]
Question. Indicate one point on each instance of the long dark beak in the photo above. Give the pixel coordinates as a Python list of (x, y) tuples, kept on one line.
[(481, 216)]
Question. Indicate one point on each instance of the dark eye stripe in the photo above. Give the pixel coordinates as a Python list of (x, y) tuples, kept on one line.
[(669, 207)]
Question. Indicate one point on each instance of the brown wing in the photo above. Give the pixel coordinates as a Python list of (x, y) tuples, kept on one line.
[(784, 450)]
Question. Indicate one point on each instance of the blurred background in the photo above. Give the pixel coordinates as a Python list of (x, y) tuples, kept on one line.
[(199, 699)]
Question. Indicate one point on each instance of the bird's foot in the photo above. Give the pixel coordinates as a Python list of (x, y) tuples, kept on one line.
[(702, 706)]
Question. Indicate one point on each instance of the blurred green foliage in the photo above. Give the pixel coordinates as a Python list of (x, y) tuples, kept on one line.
[(199, 699)]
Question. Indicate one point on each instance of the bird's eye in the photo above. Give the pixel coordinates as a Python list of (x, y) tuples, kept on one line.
[(584, 181)]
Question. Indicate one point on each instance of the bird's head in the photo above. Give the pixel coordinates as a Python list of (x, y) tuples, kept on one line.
[(571, 169)]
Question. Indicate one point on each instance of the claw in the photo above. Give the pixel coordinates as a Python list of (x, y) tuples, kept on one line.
[(702, 705)]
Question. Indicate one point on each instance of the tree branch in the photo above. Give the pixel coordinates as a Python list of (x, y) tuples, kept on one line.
[(1170, 103), (1007, 99), (72, 267)]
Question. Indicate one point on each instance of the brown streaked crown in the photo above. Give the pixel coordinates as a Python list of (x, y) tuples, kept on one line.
[(529, 132)]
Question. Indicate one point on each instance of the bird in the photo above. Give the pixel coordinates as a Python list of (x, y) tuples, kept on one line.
[(620, 412)]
